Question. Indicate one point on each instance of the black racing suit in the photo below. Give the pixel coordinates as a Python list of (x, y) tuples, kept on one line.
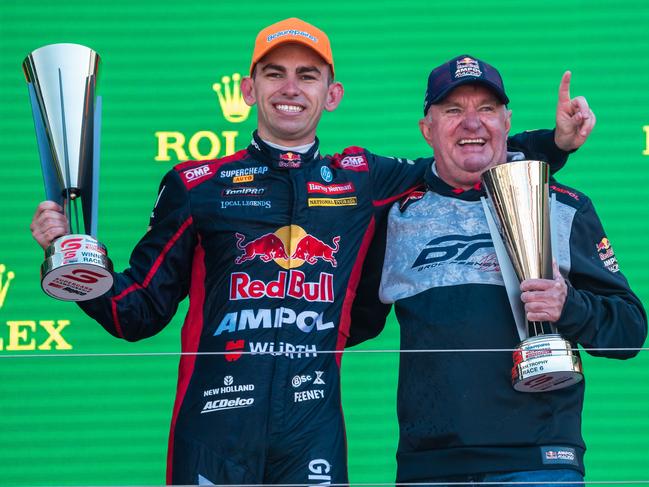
[(458, 412), (268, 244)]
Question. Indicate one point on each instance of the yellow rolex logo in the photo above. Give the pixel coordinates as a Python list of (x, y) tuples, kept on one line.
[(202, 145), (233, 107), (4, 283)]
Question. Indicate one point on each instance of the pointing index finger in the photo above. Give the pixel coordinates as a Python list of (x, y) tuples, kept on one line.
[(564, 88)]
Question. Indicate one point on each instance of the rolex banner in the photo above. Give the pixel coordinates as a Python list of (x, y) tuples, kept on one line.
[(79, 407)]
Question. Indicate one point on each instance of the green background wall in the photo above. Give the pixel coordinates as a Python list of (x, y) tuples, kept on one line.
[(103, 420)]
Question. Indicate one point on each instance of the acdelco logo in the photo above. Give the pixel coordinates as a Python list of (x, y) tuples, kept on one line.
[(223, 404)]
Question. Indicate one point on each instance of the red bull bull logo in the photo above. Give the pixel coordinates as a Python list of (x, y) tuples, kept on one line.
[(310, 249), (289, 246), (267, 247)]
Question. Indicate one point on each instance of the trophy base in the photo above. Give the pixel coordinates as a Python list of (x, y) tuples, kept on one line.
[(545, 363), (76, 268)]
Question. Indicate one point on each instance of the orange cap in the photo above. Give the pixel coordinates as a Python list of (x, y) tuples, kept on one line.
[(292, 30)]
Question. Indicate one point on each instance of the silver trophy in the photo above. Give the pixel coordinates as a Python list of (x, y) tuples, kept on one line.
[(519, 200), (62, 80)]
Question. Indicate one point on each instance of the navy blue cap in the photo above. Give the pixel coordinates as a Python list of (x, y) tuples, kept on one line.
[(459, 71)]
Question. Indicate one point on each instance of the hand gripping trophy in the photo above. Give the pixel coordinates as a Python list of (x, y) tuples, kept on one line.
[(62, 81), (519, 200)]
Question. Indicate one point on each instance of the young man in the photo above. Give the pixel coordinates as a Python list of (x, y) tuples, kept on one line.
[(268, 243), (460, 418)]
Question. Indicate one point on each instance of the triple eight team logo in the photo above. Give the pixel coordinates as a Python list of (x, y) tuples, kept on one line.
[(289, 247)]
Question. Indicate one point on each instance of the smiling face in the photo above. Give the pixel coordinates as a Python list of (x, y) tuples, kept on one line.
[(291, 88), (468, 132)]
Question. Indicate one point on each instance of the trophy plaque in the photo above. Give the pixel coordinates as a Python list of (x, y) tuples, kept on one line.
[(62, 80), (519, 200)]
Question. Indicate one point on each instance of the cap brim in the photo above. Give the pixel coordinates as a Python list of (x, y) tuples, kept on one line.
[(293, 40)]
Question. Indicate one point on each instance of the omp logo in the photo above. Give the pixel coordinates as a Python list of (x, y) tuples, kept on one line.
[(5, 281), (197, 173), (452, 248), (177, 146), (233, 106)]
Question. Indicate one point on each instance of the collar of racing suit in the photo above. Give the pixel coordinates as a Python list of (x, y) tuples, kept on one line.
[(438, 185), (280, 158)]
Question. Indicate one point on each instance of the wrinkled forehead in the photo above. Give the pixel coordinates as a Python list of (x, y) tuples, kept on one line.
[(473, 91)]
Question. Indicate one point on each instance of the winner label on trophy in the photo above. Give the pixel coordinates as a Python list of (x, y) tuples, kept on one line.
[(519, 201), (62, 80)]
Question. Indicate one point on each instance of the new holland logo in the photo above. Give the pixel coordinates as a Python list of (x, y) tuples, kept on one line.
[(177, 146)]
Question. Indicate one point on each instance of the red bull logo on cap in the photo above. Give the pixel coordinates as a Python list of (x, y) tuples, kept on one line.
[(467, 66)]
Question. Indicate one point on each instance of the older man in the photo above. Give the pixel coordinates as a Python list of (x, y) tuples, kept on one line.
[(460, 419), (268, 244)]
